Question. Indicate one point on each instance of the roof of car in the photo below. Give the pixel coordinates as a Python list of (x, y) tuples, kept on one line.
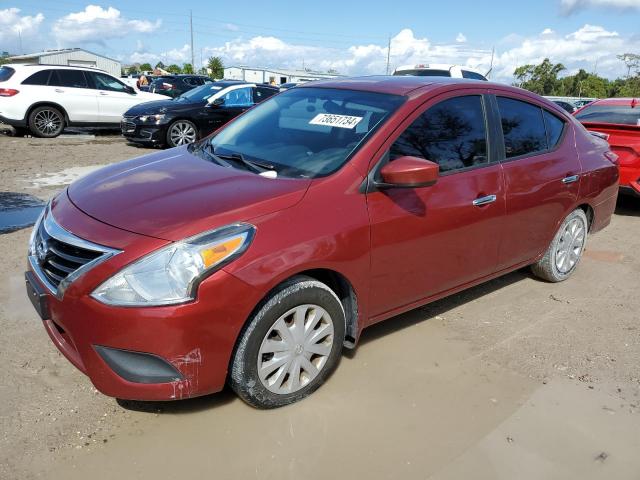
[(398, 85), (618, 101)]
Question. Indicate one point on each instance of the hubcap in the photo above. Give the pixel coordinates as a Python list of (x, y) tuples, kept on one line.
[(570, 246), (47, 121), (295, 349), (182, 133)]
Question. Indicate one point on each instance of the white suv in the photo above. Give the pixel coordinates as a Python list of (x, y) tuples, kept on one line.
[(439, 70), (46, 98)]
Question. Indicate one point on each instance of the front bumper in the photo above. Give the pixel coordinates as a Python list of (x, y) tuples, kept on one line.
[(148, 134), (194, 340)]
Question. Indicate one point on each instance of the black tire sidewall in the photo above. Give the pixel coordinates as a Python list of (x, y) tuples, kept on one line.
[(170, 144), (40, 134), (554, 246), (244, 377)]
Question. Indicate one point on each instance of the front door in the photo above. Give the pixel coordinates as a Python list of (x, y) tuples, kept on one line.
[(235, 100), (114, 98), (426, 241)]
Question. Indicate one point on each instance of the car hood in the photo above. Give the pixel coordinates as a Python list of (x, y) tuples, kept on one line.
[(174, 194), (161, 106)]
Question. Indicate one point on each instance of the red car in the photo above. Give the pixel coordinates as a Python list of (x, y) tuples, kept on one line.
[(618, 120), (252, 257)]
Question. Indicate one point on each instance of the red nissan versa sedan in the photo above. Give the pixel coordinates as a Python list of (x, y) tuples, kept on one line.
[(254, 255), (618, 120)]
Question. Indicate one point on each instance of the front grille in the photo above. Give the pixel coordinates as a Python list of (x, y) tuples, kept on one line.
[(58, 256)]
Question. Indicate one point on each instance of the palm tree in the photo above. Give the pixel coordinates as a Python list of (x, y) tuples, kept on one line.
[(215, 67)]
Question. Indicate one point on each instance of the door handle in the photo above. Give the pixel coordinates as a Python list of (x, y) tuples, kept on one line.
[(59, 90), (478, 202), (570, 179), (104, 93)]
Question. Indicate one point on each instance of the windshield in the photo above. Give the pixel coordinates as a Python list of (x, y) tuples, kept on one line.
[(306, 132), (199, 94), (618, 114)]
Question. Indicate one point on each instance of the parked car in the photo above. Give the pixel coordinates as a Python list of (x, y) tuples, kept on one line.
[(439, 70), (288, 85), (565, 105), (193, 114), (254, 256), (47, 98), (618, 120), (175, 85)]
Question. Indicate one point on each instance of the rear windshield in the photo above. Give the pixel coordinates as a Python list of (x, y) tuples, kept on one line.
[(618, 114), (423, 73), (5, 73), (307, 132)]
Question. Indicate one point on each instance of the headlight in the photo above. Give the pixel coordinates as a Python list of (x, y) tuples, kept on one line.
[(151, 118), (172, 274)]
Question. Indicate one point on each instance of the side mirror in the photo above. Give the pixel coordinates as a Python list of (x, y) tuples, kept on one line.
[(408, 172), (218, 102), (129, 89)]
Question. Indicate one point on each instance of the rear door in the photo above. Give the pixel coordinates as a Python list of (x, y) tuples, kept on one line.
[(542, 175), (113, 97), (71, 89), (427, 241)]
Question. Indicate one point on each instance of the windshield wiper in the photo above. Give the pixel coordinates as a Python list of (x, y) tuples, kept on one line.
[(257, 167), (207, 148)]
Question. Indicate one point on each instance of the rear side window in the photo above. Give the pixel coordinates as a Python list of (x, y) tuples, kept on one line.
[(38, 78), (620, 114), (555, 126), (6, 73), (68, 78), (262, 93), (472, 75), (451, 133), (522, 127)]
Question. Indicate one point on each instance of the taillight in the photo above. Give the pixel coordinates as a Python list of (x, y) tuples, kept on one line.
[(8, 92), (604, 136), (612, 157)]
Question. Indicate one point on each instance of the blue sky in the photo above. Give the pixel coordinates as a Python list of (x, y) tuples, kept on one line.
[(349, 36)]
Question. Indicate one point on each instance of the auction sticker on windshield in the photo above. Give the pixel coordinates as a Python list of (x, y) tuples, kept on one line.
[(333, 120)]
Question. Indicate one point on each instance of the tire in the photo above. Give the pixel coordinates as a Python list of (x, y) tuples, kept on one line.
[(181, 132), (46, 122), (270, 362), (561, 258)]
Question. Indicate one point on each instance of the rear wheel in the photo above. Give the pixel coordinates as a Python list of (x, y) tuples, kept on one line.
[(181, 132), (46, 122), (563, 255), (290, 346)]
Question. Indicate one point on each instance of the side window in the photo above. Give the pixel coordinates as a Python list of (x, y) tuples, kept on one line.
[(472, 75), (262, 93), (68, 78), (555, 126), (451, 133), (240, 97), (522, 127), (106, 82), (38, 78)]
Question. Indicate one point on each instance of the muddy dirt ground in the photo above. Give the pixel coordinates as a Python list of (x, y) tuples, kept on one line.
[(512, 379)]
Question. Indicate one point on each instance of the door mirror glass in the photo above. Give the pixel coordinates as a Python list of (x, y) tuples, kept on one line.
[(408, 172), (129, 89), (218, 102)]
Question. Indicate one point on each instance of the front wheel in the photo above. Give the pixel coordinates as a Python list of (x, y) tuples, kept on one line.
[(290, 346), (46, 122), (563, 255), (181, 132)]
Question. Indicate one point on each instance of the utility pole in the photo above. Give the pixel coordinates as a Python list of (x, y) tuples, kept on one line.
[(388, 54), (193, 60), (20, 41)]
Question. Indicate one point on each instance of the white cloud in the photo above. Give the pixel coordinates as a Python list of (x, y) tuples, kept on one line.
[(13, 26), (460, 38), (95, 24), (567, 7)]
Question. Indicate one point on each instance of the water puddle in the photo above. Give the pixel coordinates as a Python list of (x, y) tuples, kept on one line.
[(18, 210)]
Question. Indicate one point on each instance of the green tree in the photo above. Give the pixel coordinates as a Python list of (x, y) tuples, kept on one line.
[(216, 67), (541, 79), (187, 68), (173, 68), (631, 61), (146, 67), (132, 69)]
